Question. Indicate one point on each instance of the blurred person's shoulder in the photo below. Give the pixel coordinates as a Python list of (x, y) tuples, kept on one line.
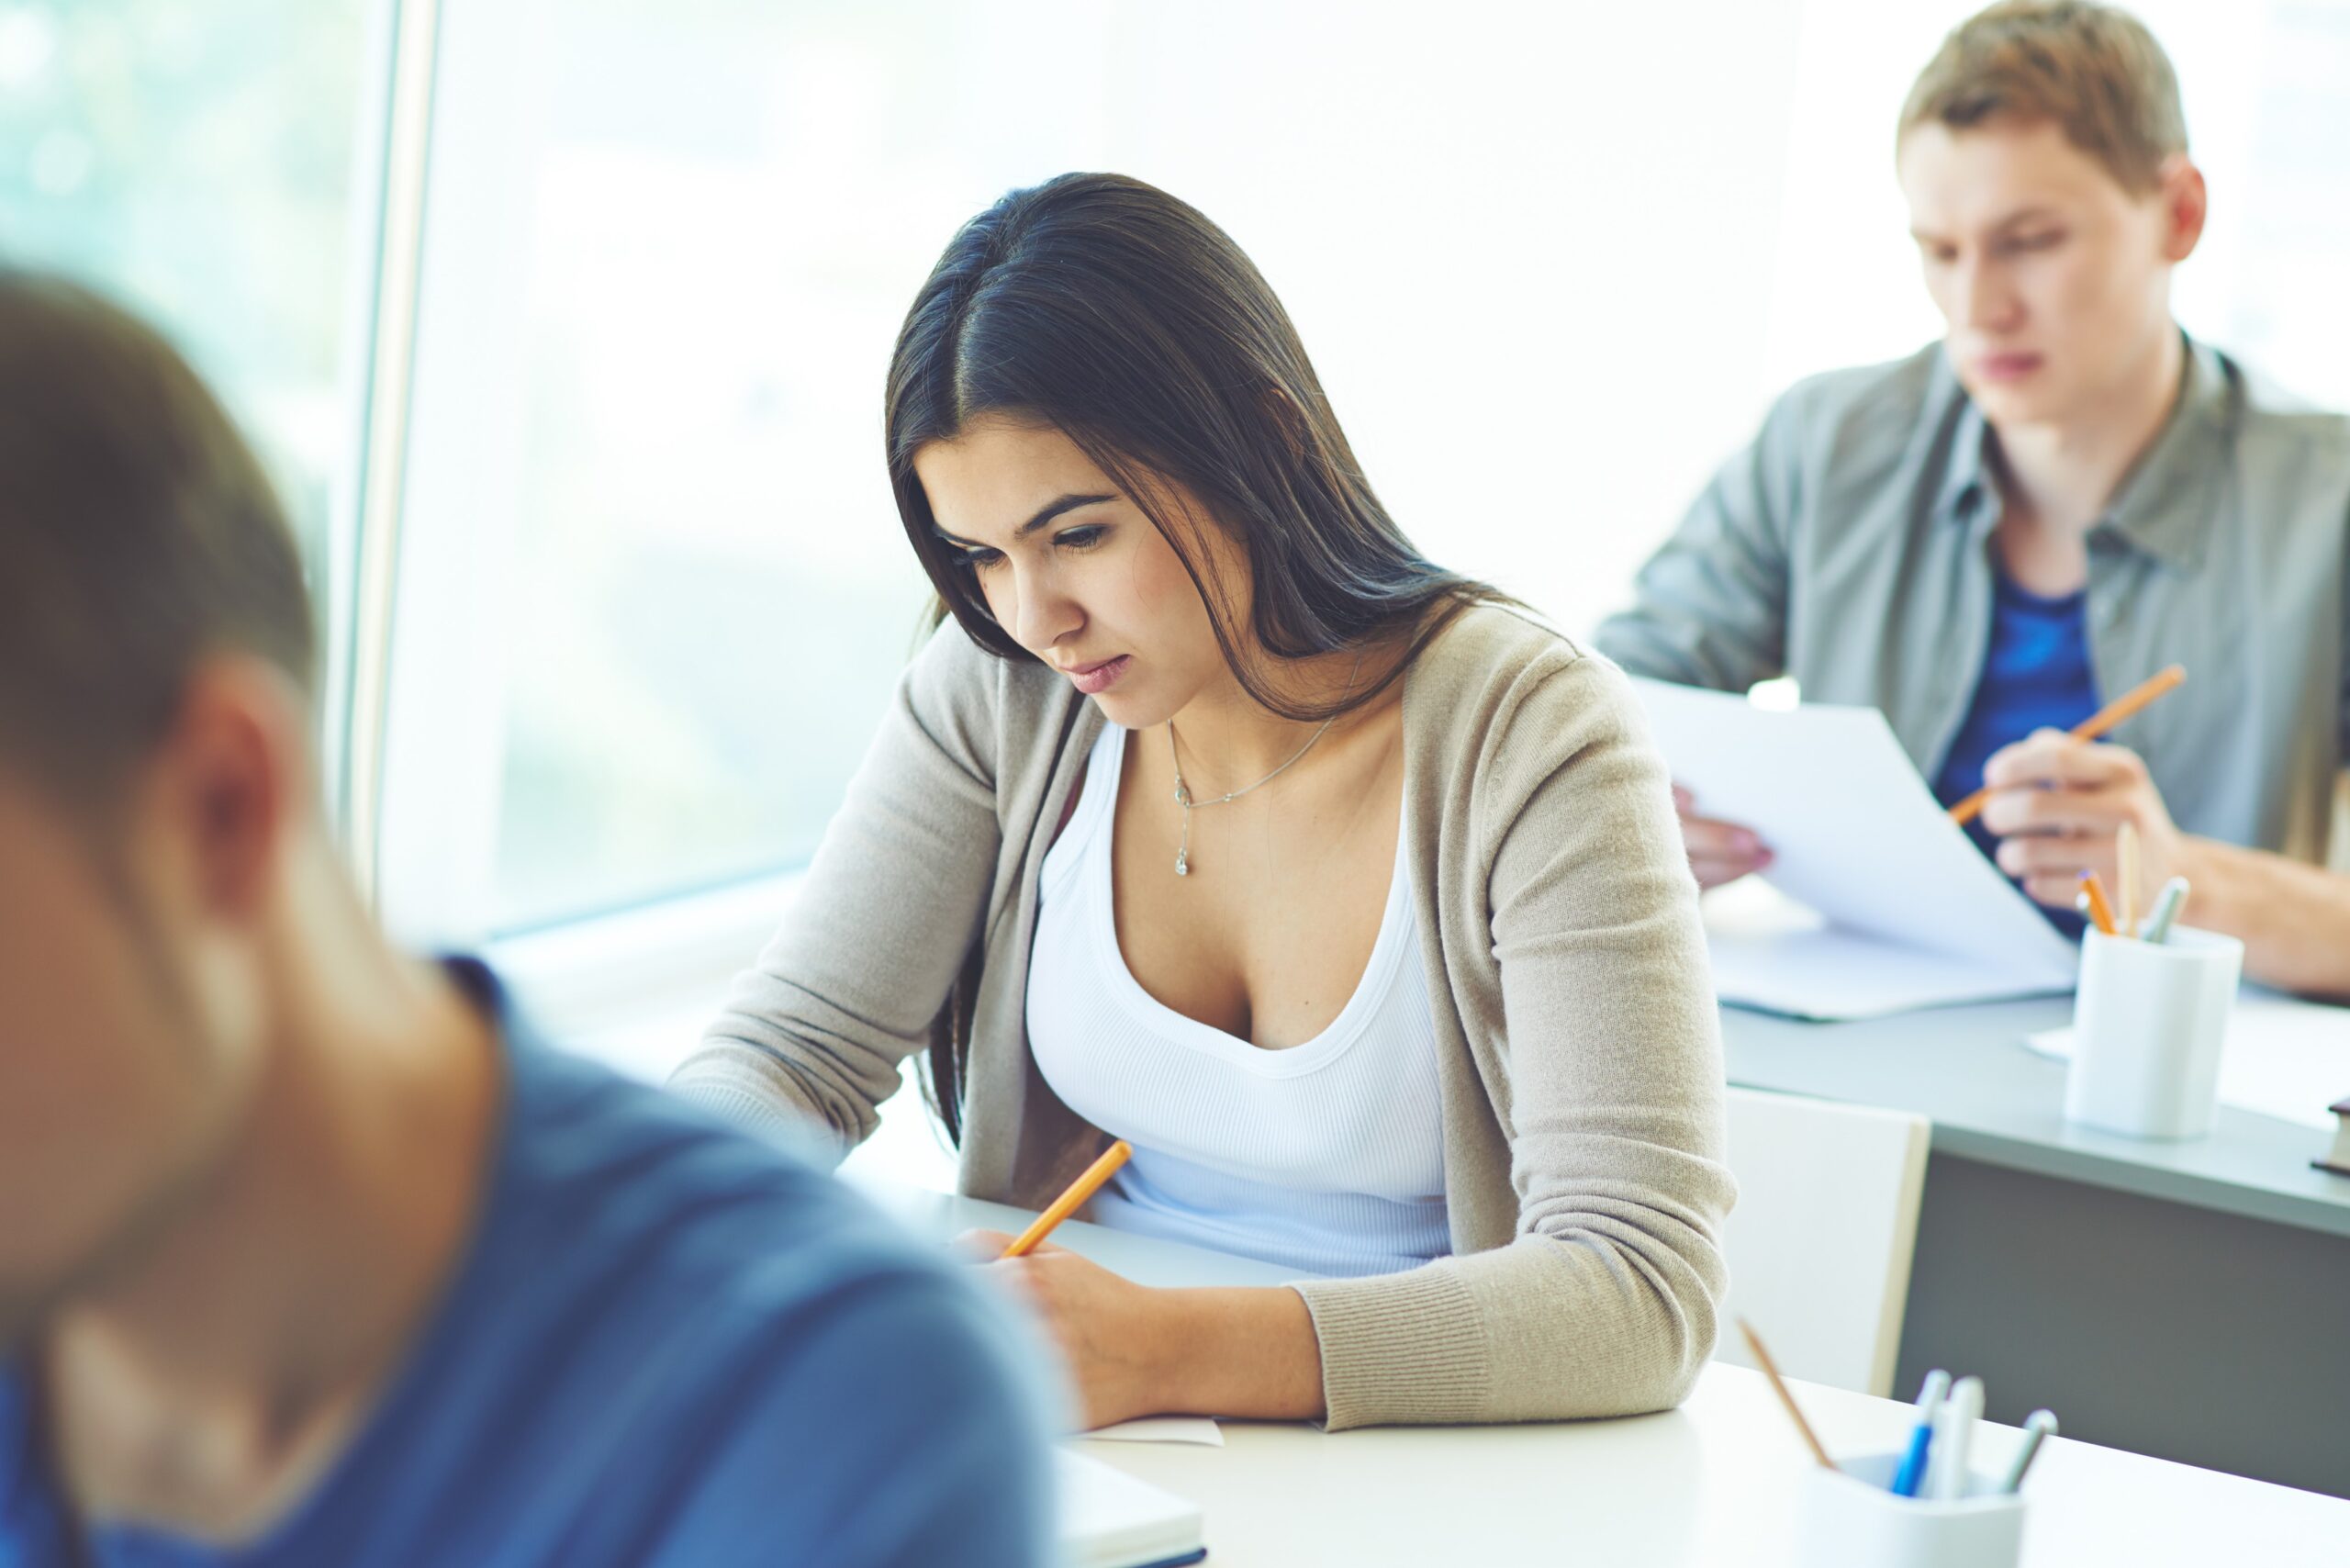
[(1855, 450), (2305, 442), (31, 1523), (664, 1341), (636, 1196), (717, 1339), (1868, 406)]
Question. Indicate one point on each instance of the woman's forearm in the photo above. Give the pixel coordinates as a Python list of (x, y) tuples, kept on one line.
[(2294, 920), (1243, 1351)]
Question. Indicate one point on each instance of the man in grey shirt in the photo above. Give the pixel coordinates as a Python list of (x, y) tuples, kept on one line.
[(1989, 539)]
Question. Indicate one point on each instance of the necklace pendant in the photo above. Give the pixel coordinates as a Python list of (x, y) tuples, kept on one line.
[(1182, 862)]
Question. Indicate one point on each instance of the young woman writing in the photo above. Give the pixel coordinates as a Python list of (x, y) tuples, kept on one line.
[(1222, 820)]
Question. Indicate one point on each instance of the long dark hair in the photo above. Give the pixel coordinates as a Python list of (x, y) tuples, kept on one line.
[(1107, 309)]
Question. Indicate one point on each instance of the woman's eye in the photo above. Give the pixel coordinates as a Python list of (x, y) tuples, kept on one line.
[(1084, 538), (978, 560)]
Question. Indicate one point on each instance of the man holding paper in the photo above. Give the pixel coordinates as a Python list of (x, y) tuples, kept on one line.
[(1989, 539)]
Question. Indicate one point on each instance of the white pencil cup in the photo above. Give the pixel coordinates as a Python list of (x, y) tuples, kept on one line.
[(2148, 1022), (1850, 1517)]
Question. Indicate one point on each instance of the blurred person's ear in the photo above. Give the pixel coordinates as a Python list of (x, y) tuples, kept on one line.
[(227, 789), (2185, 204)]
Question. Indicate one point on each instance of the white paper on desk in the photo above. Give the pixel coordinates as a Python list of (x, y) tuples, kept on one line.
[(2283, 1057), (1910, 913), (1198, 1430)]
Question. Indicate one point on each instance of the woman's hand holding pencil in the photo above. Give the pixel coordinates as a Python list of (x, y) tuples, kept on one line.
[(1132, 1350), (1104, 1324)]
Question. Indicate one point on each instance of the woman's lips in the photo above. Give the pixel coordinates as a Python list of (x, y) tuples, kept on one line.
[(1095, 679)]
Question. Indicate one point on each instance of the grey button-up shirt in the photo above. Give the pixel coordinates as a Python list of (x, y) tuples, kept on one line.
[(1849, 547)]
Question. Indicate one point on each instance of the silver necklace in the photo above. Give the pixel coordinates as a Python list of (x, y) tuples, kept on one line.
[(1183, 790)]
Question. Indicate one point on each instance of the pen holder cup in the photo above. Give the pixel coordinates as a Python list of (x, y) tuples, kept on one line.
[(1849, 1516), (2148, 1022)]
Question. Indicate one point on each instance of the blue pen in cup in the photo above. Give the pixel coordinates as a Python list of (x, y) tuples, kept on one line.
[(1913, 1462)]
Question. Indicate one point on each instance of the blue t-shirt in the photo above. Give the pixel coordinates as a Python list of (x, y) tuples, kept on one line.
[(669, 1344), (2036, 676)]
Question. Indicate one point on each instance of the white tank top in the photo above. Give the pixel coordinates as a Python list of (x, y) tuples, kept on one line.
[(1327, 1157)]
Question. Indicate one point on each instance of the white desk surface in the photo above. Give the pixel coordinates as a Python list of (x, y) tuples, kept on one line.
[(1714, 1482)]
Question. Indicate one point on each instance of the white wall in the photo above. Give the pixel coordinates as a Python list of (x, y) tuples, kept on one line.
[(1529, 247)]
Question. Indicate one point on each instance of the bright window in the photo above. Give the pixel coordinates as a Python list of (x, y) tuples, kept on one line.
[(200, 162), (1552, 261), (662, 279)]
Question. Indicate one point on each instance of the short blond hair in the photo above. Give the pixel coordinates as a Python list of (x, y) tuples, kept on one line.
[(2094, 70)]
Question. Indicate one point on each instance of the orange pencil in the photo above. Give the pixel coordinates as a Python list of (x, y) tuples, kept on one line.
[(2092, 900), (2090, 728), (1068, 1203)]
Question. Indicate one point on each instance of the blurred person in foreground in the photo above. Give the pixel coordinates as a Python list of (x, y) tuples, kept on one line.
[(311, 1252)]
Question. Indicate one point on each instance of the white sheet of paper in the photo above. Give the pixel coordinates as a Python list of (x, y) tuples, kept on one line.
[(2283, 1057), (1163, 1429), (1912, 915)]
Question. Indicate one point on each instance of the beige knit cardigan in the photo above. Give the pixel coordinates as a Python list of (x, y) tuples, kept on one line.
[(1578, 1055)]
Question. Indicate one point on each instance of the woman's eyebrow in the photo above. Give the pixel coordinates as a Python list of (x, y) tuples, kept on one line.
[(1045, 514)]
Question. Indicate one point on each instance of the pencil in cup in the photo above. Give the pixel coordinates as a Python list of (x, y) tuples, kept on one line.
[(2114, 712), (1068, 1203), (2125, 852), (2091, 902)]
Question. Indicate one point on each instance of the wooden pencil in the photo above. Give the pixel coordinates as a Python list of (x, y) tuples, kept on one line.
[(1068, 1203), (1786, 1396), (2125, 854), (2098, 910), (2090, 728)]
